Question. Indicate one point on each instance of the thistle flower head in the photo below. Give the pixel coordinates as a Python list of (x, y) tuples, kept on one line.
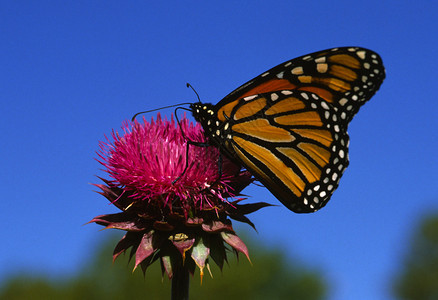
[(147, 161), (172, 201)]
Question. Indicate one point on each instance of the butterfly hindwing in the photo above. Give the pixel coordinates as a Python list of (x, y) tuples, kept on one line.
[(290, 141)]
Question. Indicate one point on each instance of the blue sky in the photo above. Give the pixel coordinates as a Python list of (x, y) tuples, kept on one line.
[(73, 70)]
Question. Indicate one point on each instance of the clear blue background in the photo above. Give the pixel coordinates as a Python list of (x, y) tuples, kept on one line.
[(70, 71)]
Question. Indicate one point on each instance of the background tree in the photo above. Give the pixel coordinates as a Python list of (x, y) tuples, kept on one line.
[(271, 276), (419, 278)]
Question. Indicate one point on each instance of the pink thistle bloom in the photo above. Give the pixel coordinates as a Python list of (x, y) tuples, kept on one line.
[(148, 158), (167, 215)]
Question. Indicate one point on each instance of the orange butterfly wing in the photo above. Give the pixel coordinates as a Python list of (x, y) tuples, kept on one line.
[(288, 126), (345, 77), (291, 145)]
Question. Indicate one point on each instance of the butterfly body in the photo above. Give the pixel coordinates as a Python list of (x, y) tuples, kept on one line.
[(288, 126)]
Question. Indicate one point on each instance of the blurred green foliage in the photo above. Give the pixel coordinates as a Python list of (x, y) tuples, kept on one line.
[(271, 276), (418, 279)]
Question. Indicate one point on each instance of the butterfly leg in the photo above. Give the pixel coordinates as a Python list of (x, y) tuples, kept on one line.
[(198, 144), (219, 169)]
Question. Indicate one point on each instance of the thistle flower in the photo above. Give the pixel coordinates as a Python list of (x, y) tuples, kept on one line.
[(177, 215)]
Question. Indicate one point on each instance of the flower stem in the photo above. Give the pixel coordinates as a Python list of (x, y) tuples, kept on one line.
[(180, 283)]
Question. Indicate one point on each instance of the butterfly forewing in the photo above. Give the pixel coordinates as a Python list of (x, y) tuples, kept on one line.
[(347, 77)]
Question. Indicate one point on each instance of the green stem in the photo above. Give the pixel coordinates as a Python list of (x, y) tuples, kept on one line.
[(180, 283)]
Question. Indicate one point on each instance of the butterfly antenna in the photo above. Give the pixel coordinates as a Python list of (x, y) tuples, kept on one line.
[(190, 86), (188, 141), (148, 111)]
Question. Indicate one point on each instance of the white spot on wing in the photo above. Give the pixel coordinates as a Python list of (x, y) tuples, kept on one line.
[(308, 57), (249, 97), (274, 96), (320, 60), (361, 54), (324, 105), (341, 154), (343, 101)]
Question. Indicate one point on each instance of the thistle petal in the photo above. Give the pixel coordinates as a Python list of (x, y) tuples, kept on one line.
[(217, 226), (166, 266), (145, 249), (125, 243), (234, 241), (183, 243), (200, 254), (217, 250)]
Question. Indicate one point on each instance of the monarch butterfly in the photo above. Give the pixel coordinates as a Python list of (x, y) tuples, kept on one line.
[(288, 126)]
